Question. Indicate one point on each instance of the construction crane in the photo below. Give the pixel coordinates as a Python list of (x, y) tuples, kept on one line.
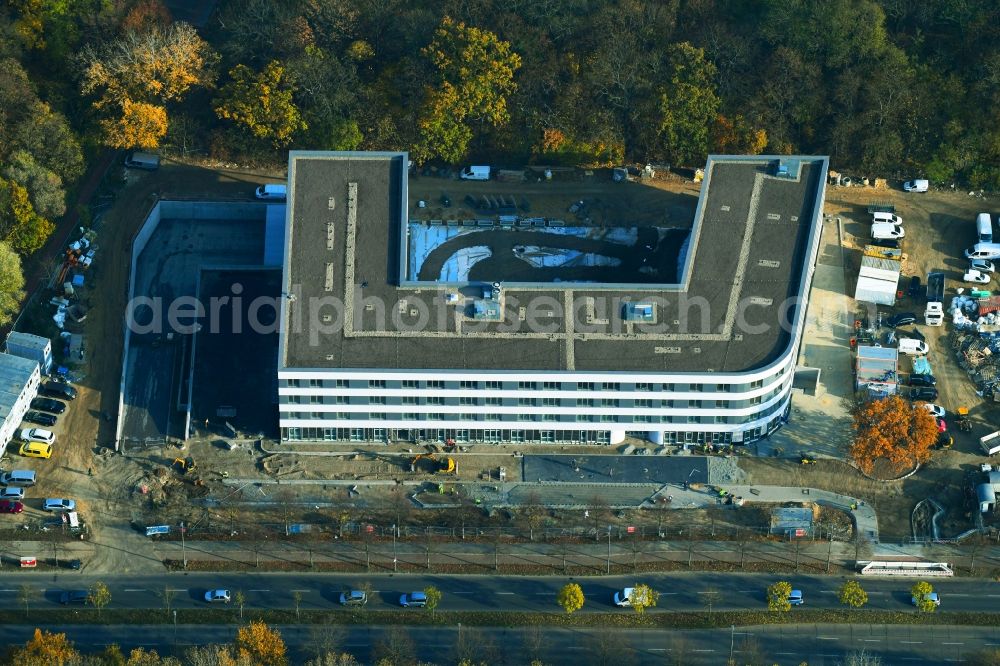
[(446, 466)]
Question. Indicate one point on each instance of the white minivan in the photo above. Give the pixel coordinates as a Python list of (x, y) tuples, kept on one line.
[(886, 230), (984, 228), (917, 185), (891, 218), (273, 192), (38, 435), (983, 251)]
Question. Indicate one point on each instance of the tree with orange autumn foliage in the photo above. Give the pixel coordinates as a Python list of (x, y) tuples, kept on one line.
[(894, 429), (139, 125), (45, 648), (261, 644)]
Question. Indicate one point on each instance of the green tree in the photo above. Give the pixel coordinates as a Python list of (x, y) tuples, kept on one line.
[(44, 187), (921, 593), (433, 598), (474, 74), (21, 227), (688, 106), (570, 598), (241, 599), (777, 596), (643, 597), (11, 283), (852, 594), (261, 103), (99, 596)]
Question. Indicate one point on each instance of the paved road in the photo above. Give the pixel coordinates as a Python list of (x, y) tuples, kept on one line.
[(490, 593), (787, 645)]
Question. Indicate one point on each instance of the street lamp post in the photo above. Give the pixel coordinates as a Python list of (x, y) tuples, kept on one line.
[(732, 639), (175, 631), (394, 559), (184, 556), (609, 550)]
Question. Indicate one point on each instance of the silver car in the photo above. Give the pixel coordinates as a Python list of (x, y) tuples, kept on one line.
[(354, 598), (59, 505), (219, 596), (12, 493)]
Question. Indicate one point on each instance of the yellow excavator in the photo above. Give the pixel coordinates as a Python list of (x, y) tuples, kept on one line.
[(446, 466), (184, 465)]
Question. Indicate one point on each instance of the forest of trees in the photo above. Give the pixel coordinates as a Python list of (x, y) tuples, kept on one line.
[(885, 87)]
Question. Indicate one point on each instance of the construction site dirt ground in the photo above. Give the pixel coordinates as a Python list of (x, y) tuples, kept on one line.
[(938, 226)]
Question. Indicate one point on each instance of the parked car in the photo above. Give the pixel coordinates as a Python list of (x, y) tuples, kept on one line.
[(887, 230), (922, 380), (38, 435), (901, 319), (40, 418), (12, 493), (918, 185), (885, 242), (10, 506), (59, 504), (976, 277), (930, 596), (35, 450), (48, 405), (982, 265), (73, 597), (913, 347), (923, 393), (354, 598), (914, 291), (415, 599), (623, 598), (795, 598), (937, 411), (942, 425), (944, 441), (219, 596), (58, 390)]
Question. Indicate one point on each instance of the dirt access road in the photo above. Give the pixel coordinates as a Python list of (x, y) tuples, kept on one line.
[(83, 435)]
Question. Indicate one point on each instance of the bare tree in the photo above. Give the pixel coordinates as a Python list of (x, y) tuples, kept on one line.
[(167, 596), (534, 643), (396, 646), (25, 594), (297, 599), (710, 598)]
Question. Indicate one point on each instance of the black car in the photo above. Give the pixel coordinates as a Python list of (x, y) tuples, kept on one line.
[(41, 418), (48, 405), (923, 393), (58, 390), (901, 319), (922, 380), (914, 290), (885, 242), (73, 597)]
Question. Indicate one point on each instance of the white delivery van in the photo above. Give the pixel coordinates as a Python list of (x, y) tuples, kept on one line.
[(891, 218), (146, 161), (475, 173), (886, 230), (918, 185), (273, 192), (913, 347), (983, 251), (984, 228)]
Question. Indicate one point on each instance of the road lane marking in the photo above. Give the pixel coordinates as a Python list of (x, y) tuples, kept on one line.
[(702, 650), (505, 593), (952, 643), (463, 592), (912, 642), (8, 590), (955, 594), (872, 640), (258, 590), (786, 654), (373, 591), (180, 589), (662, 594), (827, 638), (135, 590), (659, 650)]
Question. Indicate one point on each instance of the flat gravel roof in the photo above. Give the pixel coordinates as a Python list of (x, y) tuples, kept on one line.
[(733, 311)]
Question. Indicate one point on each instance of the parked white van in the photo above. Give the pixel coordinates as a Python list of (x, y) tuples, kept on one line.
[(983, 251), (273, 192), (918, 185), (913, 346), (886, 230), (891, 218), (18, 477), (984, 227), (475, 173)]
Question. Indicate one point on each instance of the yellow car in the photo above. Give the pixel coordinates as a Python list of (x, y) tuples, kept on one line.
[(36, 450)]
